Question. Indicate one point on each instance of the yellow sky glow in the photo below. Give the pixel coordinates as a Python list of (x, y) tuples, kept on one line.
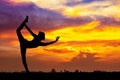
[(73, 39)]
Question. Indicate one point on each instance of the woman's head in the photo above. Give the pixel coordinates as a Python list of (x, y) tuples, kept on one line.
[(41, 35)]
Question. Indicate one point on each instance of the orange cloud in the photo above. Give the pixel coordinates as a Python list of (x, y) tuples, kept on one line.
[(73, 39)]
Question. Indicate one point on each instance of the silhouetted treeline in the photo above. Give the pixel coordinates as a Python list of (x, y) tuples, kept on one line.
[(53, 70), (97, 75)]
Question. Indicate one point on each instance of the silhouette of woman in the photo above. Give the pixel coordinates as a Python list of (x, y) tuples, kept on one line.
[(24, 44)]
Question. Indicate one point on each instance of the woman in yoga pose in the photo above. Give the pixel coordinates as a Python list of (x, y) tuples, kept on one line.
[(24, 44)]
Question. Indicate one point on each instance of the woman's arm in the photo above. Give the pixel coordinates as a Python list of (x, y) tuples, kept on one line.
[(33, 34), (48, 43), (22, 24)]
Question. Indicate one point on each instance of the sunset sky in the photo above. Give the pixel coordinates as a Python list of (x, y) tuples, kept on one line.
[(89, 33)]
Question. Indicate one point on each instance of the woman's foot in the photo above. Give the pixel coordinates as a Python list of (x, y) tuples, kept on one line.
[(26, 19)]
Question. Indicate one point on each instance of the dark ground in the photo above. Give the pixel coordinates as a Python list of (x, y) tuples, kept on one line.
[(61, 76)]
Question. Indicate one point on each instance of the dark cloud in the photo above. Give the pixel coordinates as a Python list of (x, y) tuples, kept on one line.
[(90, 63), (108, 21), (104, 22), (74, 3), (89, 1), (60, 51), (40, 19), (114, 43)]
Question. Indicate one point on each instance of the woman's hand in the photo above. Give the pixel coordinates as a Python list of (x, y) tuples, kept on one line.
[(57, 38)]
